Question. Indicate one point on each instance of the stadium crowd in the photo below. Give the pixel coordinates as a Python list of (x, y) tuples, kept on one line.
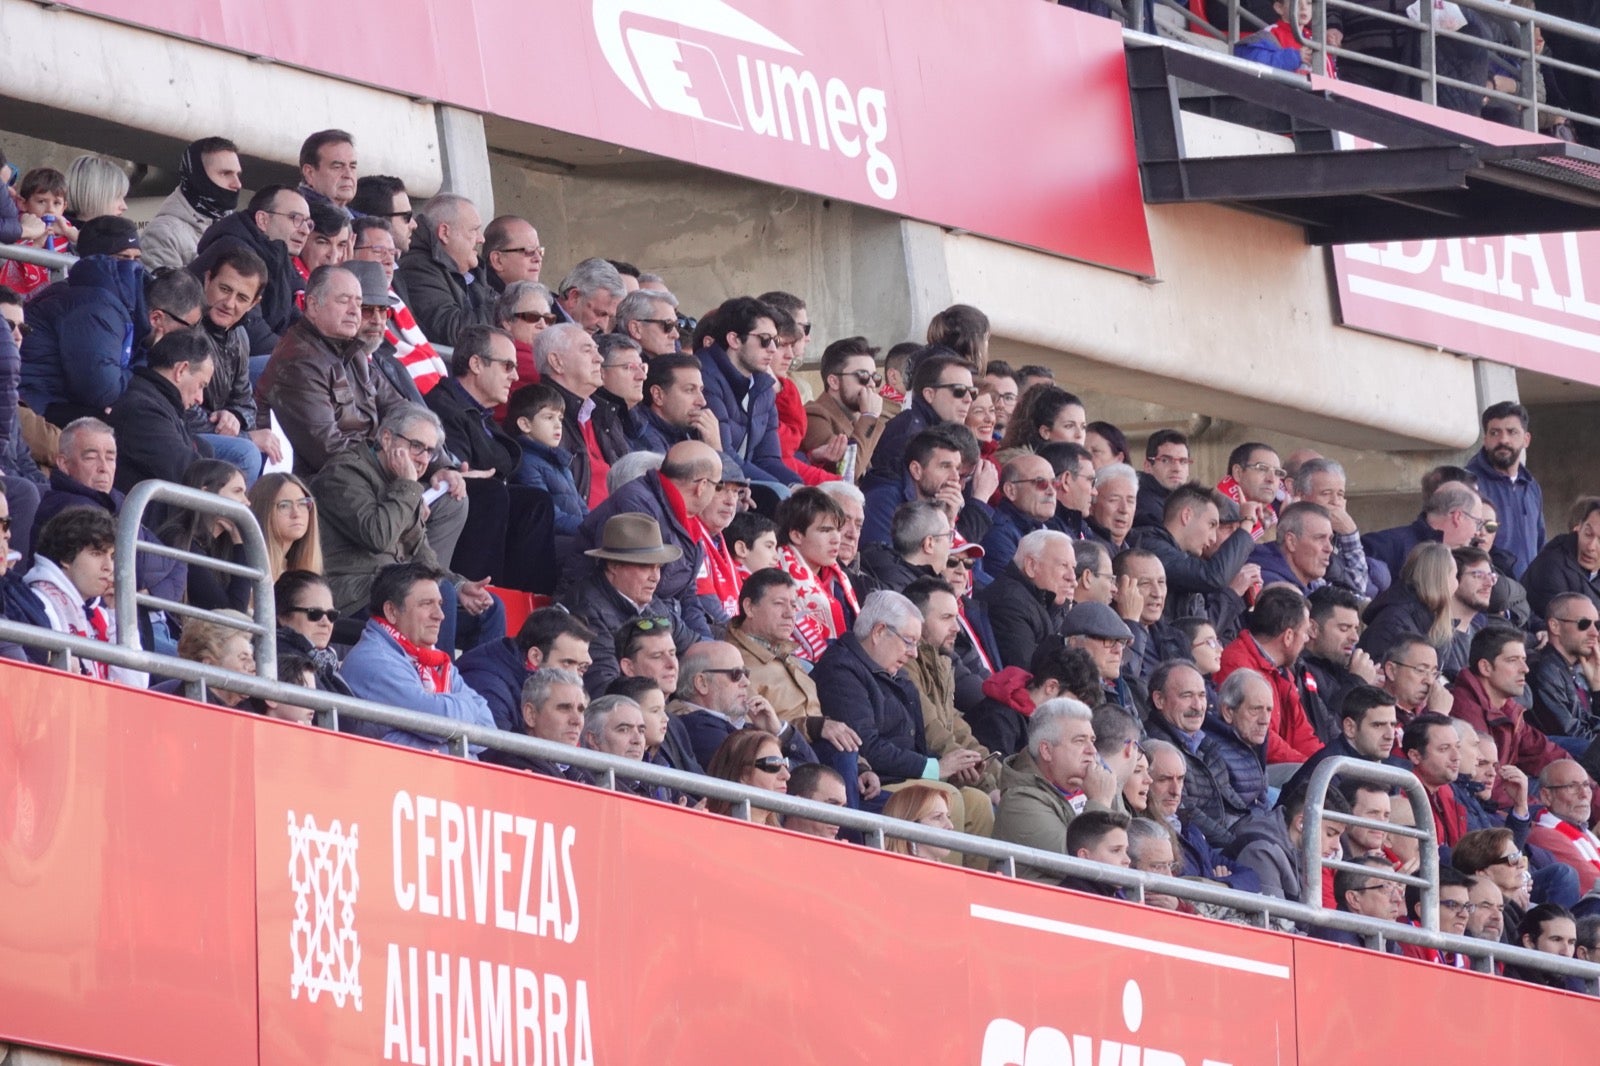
[(936, 588)]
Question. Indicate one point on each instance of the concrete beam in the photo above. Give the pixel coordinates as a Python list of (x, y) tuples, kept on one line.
[(464, 154)]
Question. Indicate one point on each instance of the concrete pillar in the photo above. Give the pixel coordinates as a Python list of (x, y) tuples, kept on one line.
[(1495, 382), (464, 157)]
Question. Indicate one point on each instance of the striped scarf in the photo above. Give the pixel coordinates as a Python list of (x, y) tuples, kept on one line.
[(1583, 841)]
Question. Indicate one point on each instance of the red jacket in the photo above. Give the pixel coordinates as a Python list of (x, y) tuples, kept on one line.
[(1517, 741), (1290, 738), (792, 430)]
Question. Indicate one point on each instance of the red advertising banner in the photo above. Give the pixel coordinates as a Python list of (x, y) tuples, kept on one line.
[(1531, 302), (1024, 133), (127, 910)]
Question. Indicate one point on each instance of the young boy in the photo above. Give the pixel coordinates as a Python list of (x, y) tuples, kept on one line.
[(533, 415), (44, 196), (72, 572), (752, 539), (1275, 46)]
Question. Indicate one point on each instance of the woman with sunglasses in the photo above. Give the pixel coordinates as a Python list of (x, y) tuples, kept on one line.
[(306, 616), (287, 513), (750, 757), (524, 311), (1494, 854)]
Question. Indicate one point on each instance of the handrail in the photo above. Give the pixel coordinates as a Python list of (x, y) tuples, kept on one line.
[(263, 634), (1422, 815), (875, 828), (58, 263)]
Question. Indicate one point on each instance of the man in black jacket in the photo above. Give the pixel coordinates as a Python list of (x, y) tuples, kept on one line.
[(436, 272), (1565, 673), (1027, 598), (1196, 567), (275, 226), (234, 281), (148, 419), (1331, 665)]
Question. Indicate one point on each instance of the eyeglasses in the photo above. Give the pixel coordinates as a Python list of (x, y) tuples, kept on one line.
[(1481, 575), (668, 325), (296, 219), (375, 310), (1040, 484), (418, 448), (910, 642), (387, 255), (1166, 869), (304, 503), (403, 216), (866, 377), (636, 366), (732, 673), (1587, 786), (316, 614), (531, 253), (1108, 643), (1208, 642), (549, 318), (768, 341), (1429, 672), (1459, 906), (649, 625), (770, 764), (1267, 468), (961, 561), (1172, 460), (1485, 525), (1514, 859), (960, 392), (1381, 886), (511, 363), (179, 319), (1582, 625)]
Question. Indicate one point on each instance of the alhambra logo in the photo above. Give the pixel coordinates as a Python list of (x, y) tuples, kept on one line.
[(323, 942)]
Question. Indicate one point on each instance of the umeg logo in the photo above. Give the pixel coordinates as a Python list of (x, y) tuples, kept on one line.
[(776, 97), (323, 943), (1010, 1043)]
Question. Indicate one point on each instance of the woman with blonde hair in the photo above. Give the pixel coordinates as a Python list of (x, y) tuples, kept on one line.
[(750, 757), (95, 186), (924, 805), (1418, 603), (287, 513), (223, 646)]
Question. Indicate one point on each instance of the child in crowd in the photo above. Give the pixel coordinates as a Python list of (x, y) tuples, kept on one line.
[(43, 193), (752, 539), (1277, 46), (533, 416)]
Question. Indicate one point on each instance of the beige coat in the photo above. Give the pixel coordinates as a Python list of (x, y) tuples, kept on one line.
[(826, 418), (946, 728)]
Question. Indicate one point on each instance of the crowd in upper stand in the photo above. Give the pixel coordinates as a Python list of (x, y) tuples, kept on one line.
[(935, 587)]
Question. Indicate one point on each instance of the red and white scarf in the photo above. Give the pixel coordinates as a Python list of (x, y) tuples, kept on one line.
[(419, 358), (433, 664), (1583, 841), (818, 616), (718, 576)]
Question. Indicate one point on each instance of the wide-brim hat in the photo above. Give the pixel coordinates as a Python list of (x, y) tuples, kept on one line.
[(634, 538)]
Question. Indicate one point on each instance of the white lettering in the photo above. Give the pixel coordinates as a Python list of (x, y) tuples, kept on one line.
[(1394, 256), (569, 837), (841, 117), (784, 101), (582, 1038), (1531, 248), (1455, 272), (1361, 253), (440, 1053), (394, 1009), (405, 893), (452, 844), (873, 107), (528, 1018), (549, 886), (525, 920), (504, 918), (419, 1054), (494, 1001), (480, 855), (466, 1017), (1577, 300), (555, 1020), (427, 847), (796, 92), (762, 120)]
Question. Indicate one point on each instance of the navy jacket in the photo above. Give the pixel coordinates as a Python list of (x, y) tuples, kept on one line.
[(1021, 614), (605, 611), (1555, 570), (550, 469), (1520, 507), (747, 410), (1338, 746), (885, 710), (80, 355), (889, 456), (884, 495), (278, 308), (1010, 526), (496, 671), (1191, 578), (1151, 505), (1391, 546), (706, 731), (657, 436), (470, 431)]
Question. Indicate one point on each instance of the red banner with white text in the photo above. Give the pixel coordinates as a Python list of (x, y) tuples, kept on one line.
[(1008, 119)]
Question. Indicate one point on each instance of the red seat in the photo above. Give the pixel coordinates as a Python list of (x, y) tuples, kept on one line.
[(519, 605)]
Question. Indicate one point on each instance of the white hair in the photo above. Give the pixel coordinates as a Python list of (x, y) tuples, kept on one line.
[(1116, 472), (557, 339), (1047, 720), (843, 490), (1033, 545), (885, 608), (1232, 692), (631, 467)]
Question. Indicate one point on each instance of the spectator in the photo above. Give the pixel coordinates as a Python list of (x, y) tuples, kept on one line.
[(1431, 745), (483, 370), (1073, 470), (919, 546), (740, 390), (850, 403), (1116, 741), (1269, 843), (975, 649), (1027, 599), (1142, 576), (287, 514), (752, 541), (924, 805), (751, 757), (1095, 628), (398, 661), (1054, 781), (934, 461), (1331, 664), (523, 310), (896, 377), (1588, 948), (72, 573), (1205, 650), (666, 740), (1486, 695), (809, 536), (1028, 491), (435, 273), (1493, 855), (1410, 673), (496, 670), (1507, 597), (372, 516), (1563, 829), (941, 391), (789, 320), (306, 617), (374, 242), (615, 725), (714, 702), (588, 296), (1303, 551), (674, 407), (1368, 895), (384, 197), (1151, 851), (1276, 632), (1488, 920), (1570, 562), (1368, 730), (964, 329), (148, 419), (1032, 374), (536, 413), (1255, 478), (1239, 727), (1196, 856), (42, 196), (1196, 568), (623, 591), (1115, 508), (329, 241), (511, 253), (820, 784), (717, 583), (213, 537), (78, 353), (553, 709), (1136, 792), (328, 168), (293, 670), (1565, 673), (1322, 482), (1000, 721), (220, 642), (96, 187), (1450, 516), (18, 471), (1096, 578), (226, 417), (1044, 416), (1166, 466), (569, 360), (275, 225), (1278, 45), (854, 507), (763, 632), (1210, 804), (1000, 381), (1549, 928), (650, 319), (933, 672), (616, 401), (209, 180)]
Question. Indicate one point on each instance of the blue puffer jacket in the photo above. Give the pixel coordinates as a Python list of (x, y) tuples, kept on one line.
[(85, 331), (550, 469), (497, 671), (1247, 763), (747, 409)]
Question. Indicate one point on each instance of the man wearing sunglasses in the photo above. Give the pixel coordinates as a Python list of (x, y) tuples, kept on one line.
[(384, 197), (741, 390), (941, 391), (650, 317), (1028, 502), (1565, 674), (850, 402), (714, 701), (1450, 515)]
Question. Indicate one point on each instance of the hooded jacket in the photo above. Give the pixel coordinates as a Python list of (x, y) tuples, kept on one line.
[(441, 297), (1000, 720), (747, 410), (279, 306), (171, 239), (79, 357), (1035, 813)]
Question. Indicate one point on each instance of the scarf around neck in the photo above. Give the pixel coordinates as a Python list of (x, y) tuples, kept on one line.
[(203, 194), (433, 664)]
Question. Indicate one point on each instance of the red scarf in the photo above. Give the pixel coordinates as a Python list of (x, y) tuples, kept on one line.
[(1229, 487), (1449, 817), (972, 635), (1583, 841), (433, 665), (818, 616), (718, 576)]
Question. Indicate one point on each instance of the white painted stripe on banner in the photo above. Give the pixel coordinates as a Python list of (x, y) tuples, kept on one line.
[(1125, 940), (1464, 311)]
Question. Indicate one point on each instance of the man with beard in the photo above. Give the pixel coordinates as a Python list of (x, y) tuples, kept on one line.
[(1564, 674), (1506, 483)]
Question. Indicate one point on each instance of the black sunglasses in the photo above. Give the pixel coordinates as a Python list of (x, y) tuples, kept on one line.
[(771, 764), (404, 216), (733, 673), (1582, 625), (316, 614)]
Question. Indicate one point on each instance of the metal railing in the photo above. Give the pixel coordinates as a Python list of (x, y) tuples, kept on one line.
[(875, 829), (58, 263), (263, 629), (1388, 777)]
